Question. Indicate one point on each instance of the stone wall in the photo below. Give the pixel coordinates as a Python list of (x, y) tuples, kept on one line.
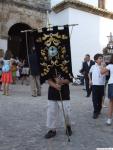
[(31, 12)]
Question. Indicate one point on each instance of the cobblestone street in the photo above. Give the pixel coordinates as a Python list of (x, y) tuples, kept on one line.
[(23, 118)]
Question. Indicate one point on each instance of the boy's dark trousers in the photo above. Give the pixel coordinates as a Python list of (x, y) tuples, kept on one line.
[(97, 96), (88, 88)]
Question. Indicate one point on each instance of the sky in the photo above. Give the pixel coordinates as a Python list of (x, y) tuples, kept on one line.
[(109, 3), (94, 2), (54, 2)]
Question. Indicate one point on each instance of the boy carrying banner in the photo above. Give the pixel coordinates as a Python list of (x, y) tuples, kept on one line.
[(58, 91)]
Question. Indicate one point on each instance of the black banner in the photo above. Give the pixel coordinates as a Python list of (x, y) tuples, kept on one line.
[(55, 52)]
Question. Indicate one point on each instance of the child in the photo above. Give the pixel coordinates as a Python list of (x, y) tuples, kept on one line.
[(14, 69), (6, 73), (58, 85), (110, 89), (1, 64), (18, 72), (25, 72), (98, 82)]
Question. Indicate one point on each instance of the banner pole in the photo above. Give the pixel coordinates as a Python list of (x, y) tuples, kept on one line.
[(65, 121)]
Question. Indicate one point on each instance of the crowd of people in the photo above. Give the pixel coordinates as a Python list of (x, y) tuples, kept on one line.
[(13, 70), (97, 75), (94, 73)]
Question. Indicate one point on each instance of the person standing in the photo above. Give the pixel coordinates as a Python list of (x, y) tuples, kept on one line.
[(104, 70), (6, 72), (25, 72), (97, 80), (35, 73), (1, 64), (85, 71), (58, 85), (14, 69)]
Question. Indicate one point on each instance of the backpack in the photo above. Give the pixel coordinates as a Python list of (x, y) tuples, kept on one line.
[(6, 67)]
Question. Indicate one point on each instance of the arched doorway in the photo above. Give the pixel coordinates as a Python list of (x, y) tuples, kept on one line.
[(17, 40)]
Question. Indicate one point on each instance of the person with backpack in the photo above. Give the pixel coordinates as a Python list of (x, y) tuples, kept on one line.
[(6, 73)]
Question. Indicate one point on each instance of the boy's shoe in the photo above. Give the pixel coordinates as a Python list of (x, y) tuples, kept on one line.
[(88, 95), (50, 134), (68, 130), (34, 96), (99, 112), (95, 115), (109, 121), (38, 94)]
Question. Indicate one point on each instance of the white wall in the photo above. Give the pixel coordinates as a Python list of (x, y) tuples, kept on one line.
[(85, 37), (60, 18), (3, 44), (89, 37)]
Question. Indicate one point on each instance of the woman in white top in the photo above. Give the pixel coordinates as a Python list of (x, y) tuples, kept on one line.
[(110, 89)]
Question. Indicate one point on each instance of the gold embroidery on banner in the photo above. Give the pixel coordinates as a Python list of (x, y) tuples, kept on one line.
[(53, 53)]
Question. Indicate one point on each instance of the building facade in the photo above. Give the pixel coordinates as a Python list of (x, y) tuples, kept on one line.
[(30, 12), (90, 35)]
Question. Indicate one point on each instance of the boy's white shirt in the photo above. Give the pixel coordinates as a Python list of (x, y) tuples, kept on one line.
[(110, 68), (97, 77)]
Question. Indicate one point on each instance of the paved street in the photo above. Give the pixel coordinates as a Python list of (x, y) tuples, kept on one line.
[(22, 122)]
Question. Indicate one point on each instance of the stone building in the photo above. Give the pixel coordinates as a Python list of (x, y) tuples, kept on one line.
[(19, 15)]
